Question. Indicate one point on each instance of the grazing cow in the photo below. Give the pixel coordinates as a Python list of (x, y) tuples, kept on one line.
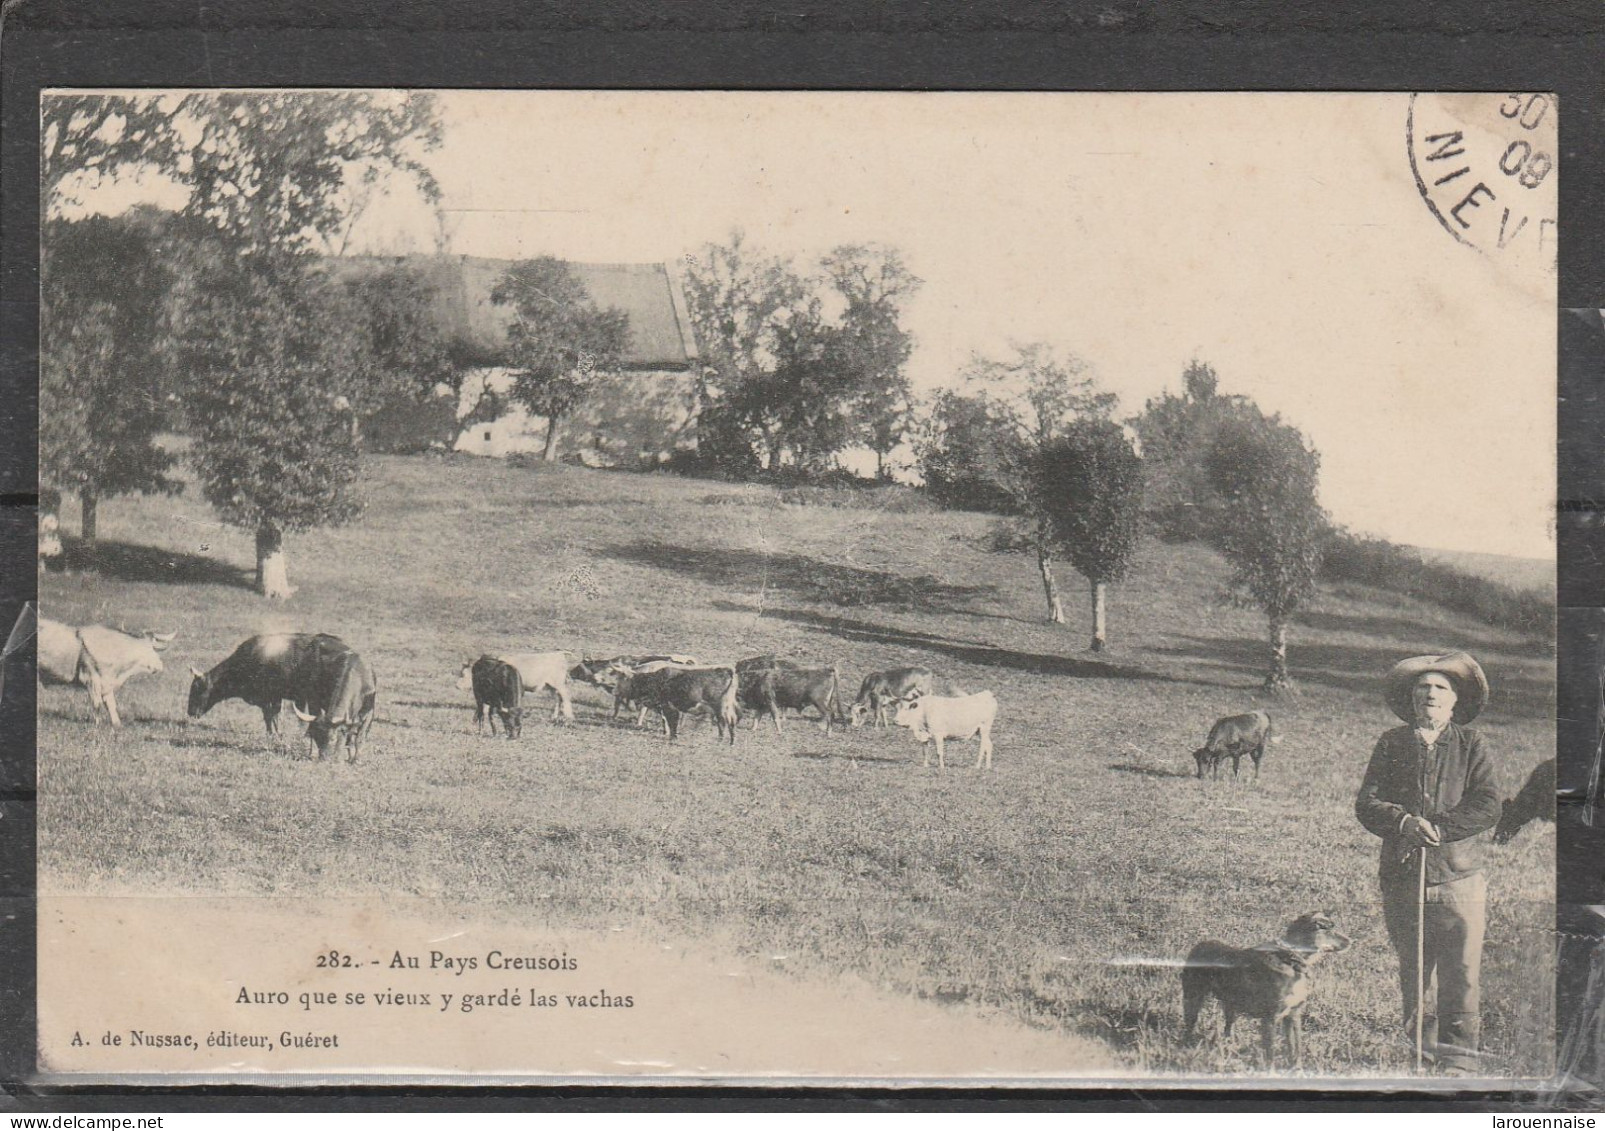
[(1232, 737), (498, 690), (98, 658), (605, 673), (545, 669), (936, 718), (266, 670), (881, 690), (774, 690), (1536, 801), (346, 700), (678, 691)]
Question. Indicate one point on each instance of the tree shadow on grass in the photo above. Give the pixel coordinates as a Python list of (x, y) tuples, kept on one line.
[(126, 561), (1432, 635), (975, 652), (808, 578)]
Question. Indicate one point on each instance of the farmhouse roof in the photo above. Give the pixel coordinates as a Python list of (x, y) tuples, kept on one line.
[(650, 293)]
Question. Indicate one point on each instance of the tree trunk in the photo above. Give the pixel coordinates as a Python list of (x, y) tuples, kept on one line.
[(880, 466), (272, 568), (550, 454), (1045, 564), (1097, 616), (89, 526), (1278, 680)]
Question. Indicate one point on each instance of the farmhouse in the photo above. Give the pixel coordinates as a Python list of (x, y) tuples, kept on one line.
[(641, 415)]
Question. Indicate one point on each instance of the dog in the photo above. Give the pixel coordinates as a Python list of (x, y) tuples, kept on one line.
[(1271, 981)]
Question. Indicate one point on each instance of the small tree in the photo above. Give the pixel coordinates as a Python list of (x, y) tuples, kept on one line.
[(1177, 433), (978, 443), (1085, 486), (559, 341), (1271, 527), (99, 389)]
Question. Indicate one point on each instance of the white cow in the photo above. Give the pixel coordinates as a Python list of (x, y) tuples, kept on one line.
[(98, 658), (536, 670), (940, 717)]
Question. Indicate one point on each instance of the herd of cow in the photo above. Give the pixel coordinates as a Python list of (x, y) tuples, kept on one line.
[(333, 689)]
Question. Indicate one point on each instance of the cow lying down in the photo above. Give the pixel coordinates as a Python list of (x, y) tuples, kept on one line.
[(936, 718)]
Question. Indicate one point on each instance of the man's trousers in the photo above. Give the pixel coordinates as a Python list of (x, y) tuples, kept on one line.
[(1456, 918)]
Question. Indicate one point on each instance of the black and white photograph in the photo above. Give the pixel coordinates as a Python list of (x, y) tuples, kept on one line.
[(797, 587)]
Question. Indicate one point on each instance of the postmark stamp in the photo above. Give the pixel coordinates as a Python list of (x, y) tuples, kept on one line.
[(1485, 164)]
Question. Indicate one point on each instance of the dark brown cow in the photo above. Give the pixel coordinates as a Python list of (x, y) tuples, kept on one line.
[(266, 670), (498, 691), (345, 699), (676, 692), (771, 691), (1232, 737)]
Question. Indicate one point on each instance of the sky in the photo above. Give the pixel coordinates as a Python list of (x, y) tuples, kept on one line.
[(1281, 238)]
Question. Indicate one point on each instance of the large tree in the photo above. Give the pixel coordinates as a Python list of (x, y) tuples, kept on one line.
[(740, 301), (559, 342), (100, 392), (87, 139), (1271, 526), (258, 346), (875, 284), (799, 366), (1085, 485), (402, 353), (267, 355), (280, 172)]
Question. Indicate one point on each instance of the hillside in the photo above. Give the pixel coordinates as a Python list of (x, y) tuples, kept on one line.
[(1056, 891), (1534, 574)]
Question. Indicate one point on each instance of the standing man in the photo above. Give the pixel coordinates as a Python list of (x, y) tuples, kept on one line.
[(1428, 793)]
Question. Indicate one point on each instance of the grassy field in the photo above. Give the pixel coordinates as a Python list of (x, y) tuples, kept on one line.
[(1058, 890)]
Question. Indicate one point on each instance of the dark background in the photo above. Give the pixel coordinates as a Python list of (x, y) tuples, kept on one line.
[(1555, 46)]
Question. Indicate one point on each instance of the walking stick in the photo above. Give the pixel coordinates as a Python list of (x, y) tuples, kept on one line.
[(1421, 932)]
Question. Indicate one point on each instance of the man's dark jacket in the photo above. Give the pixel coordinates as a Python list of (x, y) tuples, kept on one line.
[(1452, 785)]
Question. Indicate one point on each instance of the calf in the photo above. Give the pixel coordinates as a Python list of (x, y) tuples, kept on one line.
[(675, 692), (881, 690), (773, 690), (1536, 801), (498, 690), (935, 718), (97, 658), (346, 705), (1232, 737)]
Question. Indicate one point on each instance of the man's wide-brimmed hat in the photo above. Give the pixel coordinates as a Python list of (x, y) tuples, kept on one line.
[(1471, 686)]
